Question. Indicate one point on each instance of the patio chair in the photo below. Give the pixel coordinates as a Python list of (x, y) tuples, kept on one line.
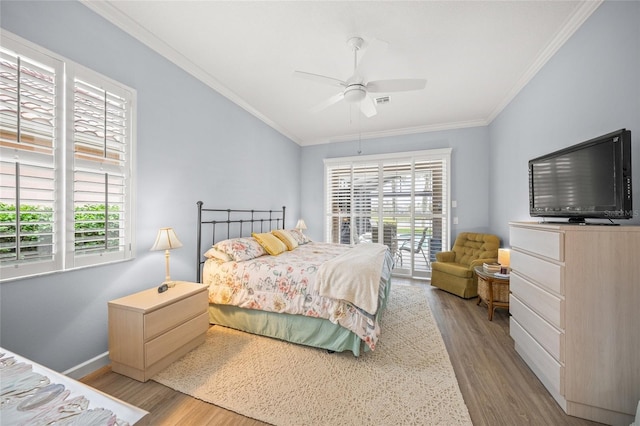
[(415, 247)]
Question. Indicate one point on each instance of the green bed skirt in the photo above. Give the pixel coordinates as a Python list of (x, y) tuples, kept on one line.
[(309, 331)]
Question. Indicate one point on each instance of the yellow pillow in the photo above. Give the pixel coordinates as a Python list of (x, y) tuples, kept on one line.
[(286, 238), (270, 243)]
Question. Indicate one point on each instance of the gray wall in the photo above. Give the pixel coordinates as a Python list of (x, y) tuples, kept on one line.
[(589, 88), (469, 173), (193, 144)]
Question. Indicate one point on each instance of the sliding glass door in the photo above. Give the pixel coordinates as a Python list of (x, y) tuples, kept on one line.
[(400, 200)]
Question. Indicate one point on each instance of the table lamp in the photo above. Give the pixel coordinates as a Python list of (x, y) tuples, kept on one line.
[(300, 226), (166, 240), (504, 259)]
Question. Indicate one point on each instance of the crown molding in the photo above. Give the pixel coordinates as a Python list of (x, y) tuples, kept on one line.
[(122, 21), (400, 132), (572, 24)]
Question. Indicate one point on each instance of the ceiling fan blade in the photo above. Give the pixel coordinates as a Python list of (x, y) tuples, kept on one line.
[(399, 85), (320, 78), (327, 103), (368, 107)]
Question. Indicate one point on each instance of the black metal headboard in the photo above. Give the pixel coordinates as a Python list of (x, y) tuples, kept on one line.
[(238, 223)]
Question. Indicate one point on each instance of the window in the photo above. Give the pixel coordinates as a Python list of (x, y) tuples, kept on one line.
[(400, 200), (66, 145)]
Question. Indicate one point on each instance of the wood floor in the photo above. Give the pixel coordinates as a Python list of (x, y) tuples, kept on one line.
[(497, 386)]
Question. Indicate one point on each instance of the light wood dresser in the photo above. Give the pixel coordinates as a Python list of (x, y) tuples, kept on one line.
[(149, 330), (575, 314)]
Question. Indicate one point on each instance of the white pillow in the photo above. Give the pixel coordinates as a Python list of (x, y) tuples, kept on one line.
[(214, 253)]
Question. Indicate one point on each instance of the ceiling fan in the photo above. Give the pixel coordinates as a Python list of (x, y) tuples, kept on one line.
[(355, 89)]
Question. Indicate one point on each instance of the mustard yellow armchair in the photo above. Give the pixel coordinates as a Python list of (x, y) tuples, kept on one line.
[(453, 270)]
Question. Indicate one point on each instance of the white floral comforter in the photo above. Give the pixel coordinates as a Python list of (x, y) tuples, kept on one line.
[(285, 284)]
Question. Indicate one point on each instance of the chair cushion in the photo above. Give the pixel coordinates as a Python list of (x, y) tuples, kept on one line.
[(470, 246), (451, 268)]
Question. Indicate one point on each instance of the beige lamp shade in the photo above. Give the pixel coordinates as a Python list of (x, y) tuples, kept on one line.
[(166, 240), (504, 257), (301, 225)]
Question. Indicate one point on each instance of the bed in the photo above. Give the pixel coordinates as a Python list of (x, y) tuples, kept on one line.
[(300, 291)]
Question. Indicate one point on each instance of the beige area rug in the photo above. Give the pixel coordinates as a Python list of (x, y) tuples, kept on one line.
[(407, 380)]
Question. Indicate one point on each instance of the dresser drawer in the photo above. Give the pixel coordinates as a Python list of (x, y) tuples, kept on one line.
[(545, 243), (544, 333), (162, 346), (162, 319), (545, 304), (545, 273), (549, 371)]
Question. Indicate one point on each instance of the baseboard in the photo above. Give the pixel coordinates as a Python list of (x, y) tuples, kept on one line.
[(88, 367), (598, 414)]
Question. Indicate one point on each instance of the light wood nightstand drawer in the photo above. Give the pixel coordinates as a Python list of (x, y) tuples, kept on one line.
[(547, 335), (163, 345), (149, 330), (159, 321), (545, 304)]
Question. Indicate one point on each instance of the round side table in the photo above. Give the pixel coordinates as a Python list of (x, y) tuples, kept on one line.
[(492, 290)]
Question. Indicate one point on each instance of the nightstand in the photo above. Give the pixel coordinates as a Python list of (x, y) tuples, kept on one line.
[(149, 330)]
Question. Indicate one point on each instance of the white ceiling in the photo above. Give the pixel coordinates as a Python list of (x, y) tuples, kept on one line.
[(475, 55)]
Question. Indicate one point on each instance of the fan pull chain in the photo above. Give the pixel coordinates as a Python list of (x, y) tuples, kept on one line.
[(359, 135)]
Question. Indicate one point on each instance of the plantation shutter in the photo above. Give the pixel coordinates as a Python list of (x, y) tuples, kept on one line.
[(338, 207), (396, 201), (363, 189), (101, 128), (431, 204), (66, 166), (400, 200), (29, 135)]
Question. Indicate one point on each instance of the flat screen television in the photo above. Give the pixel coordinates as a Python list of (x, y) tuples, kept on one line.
[(591, 179)]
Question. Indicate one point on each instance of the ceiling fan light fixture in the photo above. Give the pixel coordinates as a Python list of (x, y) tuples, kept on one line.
[(355, 90), (355, 93)]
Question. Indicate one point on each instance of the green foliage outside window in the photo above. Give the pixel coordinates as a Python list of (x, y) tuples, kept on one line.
[(89, 226), (36, 228)]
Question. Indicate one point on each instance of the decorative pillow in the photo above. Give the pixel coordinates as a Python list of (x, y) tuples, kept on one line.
[(286, 238), (214, 253), (270, 243), (299, 236), (240, 249)]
